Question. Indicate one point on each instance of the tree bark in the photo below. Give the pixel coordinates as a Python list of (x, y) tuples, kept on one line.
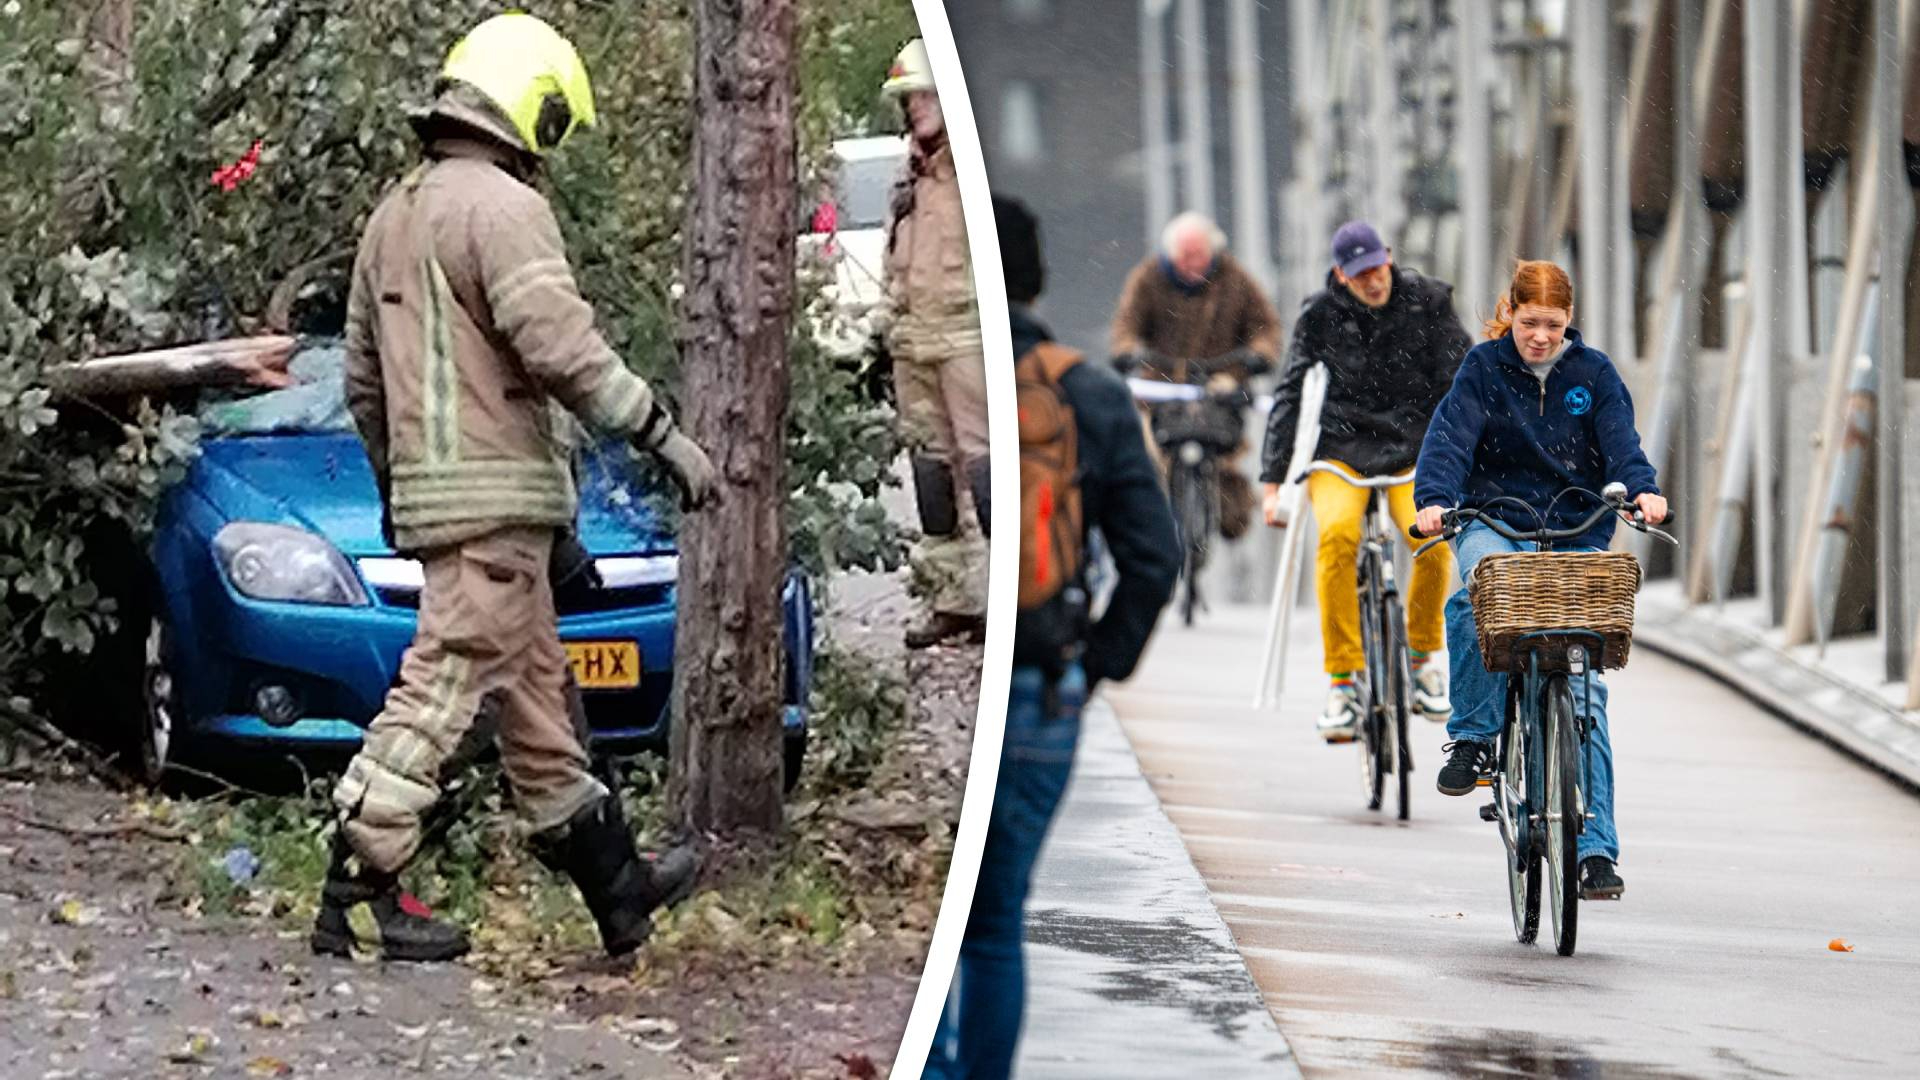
[(728, 669)]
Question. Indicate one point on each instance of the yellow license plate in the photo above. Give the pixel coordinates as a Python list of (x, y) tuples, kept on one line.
[(604, 665)]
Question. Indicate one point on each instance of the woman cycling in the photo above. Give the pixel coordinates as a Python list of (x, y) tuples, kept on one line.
[(1534, 410)]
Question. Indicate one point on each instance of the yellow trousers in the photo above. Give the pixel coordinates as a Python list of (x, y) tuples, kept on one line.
[(1340, 510)]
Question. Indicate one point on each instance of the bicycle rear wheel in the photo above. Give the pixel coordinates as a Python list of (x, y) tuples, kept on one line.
[(1563, 815), (1514, 794), (1178, 480), (1399, 700), (1373, 692)]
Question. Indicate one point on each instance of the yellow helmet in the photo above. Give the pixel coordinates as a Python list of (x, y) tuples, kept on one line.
[(530, 72), (910, 71)]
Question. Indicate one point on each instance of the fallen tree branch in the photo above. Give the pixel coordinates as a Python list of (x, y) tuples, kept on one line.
[(119, 828), (232, 788), (253, 361), (46, 734), (279, 315)]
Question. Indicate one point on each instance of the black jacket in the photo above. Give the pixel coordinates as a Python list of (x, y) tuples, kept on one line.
[(1387, 370), (1120, 494)]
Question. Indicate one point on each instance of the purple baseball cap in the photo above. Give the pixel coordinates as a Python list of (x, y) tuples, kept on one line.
[(1357, 248)]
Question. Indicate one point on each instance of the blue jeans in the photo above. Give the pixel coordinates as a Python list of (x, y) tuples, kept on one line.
[(1480, 696), (981, 1025)]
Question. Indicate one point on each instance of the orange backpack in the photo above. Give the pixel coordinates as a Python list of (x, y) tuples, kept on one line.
[(1052, 609)]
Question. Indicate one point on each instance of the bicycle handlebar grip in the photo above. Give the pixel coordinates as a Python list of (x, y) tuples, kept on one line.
[(1414, 531)]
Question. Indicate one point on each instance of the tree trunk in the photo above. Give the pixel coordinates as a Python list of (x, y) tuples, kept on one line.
[(728, 670)]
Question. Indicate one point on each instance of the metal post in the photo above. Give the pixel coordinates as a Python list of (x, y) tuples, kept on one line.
[(1623, 329), (1767, 31), (1389, 210), (1472, 30), (1854, 322), (1679, 295), (1592, 32), (1310, 146), (1896, 210), (1153, 117), (1249, 143), (1196, 119)]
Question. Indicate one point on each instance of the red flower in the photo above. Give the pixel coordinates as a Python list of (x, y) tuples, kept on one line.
[(228, 177)]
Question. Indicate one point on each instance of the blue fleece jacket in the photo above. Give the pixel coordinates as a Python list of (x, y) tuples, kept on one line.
[(1499, 431)]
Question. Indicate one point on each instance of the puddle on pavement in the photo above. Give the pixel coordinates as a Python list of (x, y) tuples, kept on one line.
[(1166, 962), (1455, 1052)]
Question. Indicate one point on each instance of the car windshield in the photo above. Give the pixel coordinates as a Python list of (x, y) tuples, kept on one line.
[(317, 401), (864, 188)]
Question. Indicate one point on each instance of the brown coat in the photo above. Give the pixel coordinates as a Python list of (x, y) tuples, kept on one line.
[(464, 324), (929, 277), (1156, 315)]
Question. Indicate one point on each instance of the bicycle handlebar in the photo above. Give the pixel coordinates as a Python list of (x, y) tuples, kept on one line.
[(1353, 480), (1458, 518), (1158, 392)]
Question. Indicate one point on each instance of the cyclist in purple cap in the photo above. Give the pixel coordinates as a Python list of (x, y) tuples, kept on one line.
[(1391, 343)]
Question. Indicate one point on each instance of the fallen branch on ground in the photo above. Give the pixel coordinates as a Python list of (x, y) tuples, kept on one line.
[(44, 733), (118, 828)]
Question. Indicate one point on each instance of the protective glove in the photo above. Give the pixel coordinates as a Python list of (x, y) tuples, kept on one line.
[(1255, 363), (693, 473), (876, 375)]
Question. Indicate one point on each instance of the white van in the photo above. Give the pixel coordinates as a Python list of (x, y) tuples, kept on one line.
[(863, 174)]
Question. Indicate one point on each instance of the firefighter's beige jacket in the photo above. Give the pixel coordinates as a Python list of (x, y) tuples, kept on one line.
[(464, 323)]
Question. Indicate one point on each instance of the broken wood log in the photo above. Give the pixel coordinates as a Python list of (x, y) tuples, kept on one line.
[(252, 361)]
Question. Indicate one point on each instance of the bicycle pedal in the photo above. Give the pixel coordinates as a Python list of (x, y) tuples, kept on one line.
[(1484, 781), (1490, 812)]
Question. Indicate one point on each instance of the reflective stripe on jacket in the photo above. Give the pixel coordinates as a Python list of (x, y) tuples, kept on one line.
[(464, 326)]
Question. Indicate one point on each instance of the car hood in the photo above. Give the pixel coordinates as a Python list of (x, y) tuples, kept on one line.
[(323, 482)]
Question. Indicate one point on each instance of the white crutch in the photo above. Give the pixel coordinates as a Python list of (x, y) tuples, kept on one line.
[(1306, 439)]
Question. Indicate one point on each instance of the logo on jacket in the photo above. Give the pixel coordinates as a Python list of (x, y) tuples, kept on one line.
[(1579, 400)]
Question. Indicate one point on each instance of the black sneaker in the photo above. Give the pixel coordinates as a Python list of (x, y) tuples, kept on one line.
[(1599, 880), (1471, 760)]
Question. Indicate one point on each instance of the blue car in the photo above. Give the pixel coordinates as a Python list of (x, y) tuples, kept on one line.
[(281, 614)]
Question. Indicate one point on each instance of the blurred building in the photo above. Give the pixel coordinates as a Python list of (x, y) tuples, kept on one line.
[(1058, 93)]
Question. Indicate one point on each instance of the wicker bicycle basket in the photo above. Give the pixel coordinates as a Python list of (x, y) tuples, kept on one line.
[(1527, 592)]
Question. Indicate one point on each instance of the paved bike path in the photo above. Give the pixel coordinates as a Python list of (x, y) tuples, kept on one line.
[(1387, 948), (1131, 973)]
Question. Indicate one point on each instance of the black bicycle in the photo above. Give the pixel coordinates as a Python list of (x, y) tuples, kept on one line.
[(1548, 634), (1386, 691), (1193, 428)]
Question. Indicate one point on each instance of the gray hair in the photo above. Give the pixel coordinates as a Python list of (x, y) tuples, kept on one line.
[(1190, 222)]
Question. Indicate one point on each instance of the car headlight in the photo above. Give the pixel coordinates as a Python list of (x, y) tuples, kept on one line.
[(277, 562)]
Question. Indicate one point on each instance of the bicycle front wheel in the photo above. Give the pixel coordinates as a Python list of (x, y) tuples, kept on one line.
[(1399, 696), (1513, 794), (1563, 815), (1190, 510)]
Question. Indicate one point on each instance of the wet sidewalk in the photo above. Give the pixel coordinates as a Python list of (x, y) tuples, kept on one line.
[(1839, 694), (1131, 971)]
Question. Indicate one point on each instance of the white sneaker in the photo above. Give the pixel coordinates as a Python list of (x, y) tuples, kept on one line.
[(1430, 693), (1340, 723)]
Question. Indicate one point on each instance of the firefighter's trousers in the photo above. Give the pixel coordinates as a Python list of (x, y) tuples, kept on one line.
[(486, 631)]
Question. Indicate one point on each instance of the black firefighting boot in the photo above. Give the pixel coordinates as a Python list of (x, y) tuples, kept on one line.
[(362, 909), (620, 886)]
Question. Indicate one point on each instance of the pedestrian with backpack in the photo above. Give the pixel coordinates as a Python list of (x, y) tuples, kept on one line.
[(1084, 464)]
